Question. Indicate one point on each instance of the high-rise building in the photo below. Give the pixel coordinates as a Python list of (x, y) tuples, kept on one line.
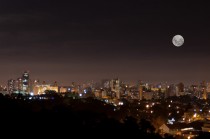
[(36, 82), (115, 87), (25, 81), (208, 87), (204, 89), (11, 86), (1, 88), (208, 90), (172, 90), (140, 91), (180, 87), (105, 83), (19, 85)]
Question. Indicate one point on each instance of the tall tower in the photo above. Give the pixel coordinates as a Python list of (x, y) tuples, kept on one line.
[(19, 85), (11, 86), (25, 80), (117, 88), (140, 91), (204, 90)]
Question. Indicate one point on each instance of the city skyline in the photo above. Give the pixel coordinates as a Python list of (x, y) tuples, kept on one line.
[(84, 41), (28, 77)]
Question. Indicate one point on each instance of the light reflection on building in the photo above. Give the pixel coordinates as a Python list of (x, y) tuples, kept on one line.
[(40, 89)]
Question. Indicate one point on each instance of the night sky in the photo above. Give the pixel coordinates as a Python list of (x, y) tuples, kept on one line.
[(80, 41)]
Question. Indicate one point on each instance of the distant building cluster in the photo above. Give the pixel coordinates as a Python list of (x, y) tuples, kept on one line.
[(20, 85), (110, 89), (24, 85)]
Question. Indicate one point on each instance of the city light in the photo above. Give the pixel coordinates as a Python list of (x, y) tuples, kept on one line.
[(110, 97), (171, 121), (186, 129), (120, 103)]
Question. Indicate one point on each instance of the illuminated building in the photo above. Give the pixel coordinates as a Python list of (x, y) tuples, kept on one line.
[(36, 82), (204, 90), (40, 89), (25, 81), (208, 88), (140, 91), (11, 86), (1, 88), (19, 85), (147, 95), (172, 90), (105, 83), (205, 96), (206, 127), (98, 93), (79, 89), (65, 89), (180, 87), (73, 84), (115, 87), (177, 90), (73, 88), (104, 94)]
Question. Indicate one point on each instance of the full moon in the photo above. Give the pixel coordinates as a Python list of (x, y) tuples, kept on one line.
[(178, 40)]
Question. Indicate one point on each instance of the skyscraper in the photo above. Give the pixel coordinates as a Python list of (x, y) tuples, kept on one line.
[(140, 91), (204, 89), (172, 89), (11, 86), (19, 85), (25, 80), (115, 87)]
